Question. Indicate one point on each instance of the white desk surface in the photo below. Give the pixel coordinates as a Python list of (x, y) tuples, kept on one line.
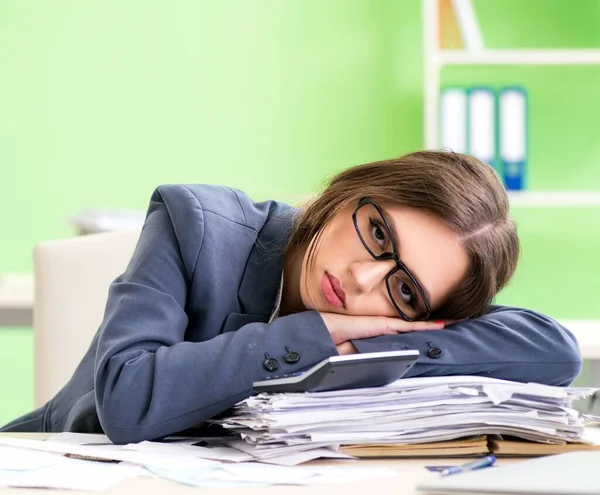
[(411, 470), (16, 299), (16, 290)]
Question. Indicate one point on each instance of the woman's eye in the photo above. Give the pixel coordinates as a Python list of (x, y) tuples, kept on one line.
[(378, 233), (407, 294)]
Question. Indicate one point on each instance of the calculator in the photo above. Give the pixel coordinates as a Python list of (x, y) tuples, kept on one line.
[(371, 369)]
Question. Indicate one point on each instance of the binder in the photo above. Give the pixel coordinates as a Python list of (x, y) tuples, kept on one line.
[(467, 446), (453, 119), (482, 124), (513, 137), (468, 25)]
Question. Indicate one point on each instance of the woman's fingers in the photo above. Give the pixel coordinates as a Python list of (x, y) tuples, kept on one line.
[(346, 348), (396, 325), (345, 327)]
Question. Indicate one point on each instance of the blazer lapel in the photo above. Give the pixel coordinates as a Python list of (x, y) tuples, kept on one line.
[(262, 276)]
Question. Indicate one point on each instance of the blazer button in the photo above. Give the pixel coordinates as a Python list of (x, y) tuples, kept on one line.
[(271, 364), (434, 352), (291, 357)]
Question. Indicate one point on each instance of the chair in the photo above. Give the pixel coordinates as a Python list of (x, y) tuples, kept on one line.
[(72, 277)]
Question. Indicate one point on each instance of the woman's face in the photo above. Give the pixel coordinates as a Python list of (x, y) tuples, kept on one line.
[(345, 278)]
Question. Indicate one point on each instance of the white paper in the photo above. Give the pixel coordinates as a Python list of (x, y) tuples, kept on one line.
[(292, 457), (295, 459), (337, 474), (158, 460), (219, 453), (256, 474), (16, 459), (80, 439), (265, 474), (72, 475), (42, 464)]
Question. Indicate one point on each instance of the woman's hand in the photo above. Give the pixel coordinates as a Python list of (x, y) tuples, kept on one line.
[(346, 348), (344, 328)]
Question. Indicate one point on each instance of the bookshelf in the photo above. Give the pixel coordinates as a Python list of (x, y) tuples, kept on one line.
[(520, 57), (435, 58), (546, 199)]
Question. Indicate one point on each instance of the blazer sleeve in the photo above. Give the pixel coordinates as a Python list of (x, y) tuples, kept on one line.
[(150, 382), (507, 343)]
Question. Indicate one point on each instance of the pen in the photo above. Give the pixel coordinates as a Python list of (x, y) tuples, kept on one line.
[(482, 462)]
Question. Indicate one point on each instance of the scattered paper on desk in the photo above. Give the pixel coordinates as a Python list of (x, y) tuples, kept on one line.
[(15, 459), (291, 458), (157, 460), (301, 475), (217, 452), (43, 464), (71, 475), (84, 439), (257, 474)]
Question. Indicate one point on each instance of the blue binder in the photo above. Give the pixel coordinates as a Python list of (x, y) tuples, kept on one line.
[(513, 137)]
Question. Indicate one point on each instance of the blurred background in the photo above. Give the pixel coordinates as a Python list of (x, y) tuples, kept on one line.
[(103, 100)]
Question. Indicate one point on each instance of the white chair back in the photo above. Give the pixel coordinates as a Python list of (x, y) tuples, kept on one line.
[(72, 277)]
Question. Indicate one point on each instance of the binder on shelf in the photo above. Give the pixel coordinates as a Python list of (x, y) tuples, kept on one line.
[(482, 124), (513, 137), (453, 119), (468, 25)]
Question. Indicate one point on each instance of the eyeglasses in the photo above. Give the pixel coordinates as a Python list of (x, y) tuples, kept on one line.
[(375, 233)]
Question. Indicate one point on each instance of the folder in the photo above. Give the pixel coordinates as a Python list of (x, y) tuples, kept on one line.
[(453, 119), (513, 137), (469, 446), (460, 447), (482, 124), (468, 25)]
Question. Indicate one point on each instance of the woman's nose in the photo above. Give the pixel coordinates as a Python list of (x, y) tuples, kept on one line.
[(369, 274)]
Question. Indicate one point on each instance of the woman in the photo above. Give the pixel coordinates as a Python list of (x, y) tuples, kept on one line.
[(223, 291)]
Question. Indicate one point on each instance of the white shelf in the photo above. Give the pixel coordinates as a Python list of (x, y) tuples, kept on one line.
[(554, 198), (520, 57), (16, 290), (16, 300)]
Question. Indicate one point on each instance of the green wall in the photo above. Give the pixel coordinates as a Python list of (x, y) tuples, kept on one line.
[(102, 100)]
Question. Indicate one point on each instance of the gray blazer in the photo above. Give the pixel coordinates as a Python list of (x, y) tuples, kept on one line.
[(186, 333)]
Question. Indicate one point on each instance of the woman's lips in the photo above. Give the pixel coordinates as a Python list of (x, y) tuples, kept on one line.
[(332, 289)]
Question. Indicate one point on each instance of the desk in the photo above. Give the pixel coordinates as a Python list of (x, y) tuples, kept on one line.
[(411, 470), (16, 300)]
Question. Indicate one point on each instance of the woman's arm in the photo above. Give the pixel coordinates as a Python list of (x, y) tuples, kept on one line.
[(149, 382), (508, 343)]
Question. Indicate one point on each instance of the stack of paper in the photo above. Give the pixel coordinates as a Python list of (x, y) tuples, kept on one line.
[(408, 411)]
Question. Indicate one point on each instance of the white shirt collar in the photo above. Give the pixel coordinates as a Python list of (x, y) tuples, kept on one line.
[(275, 313)]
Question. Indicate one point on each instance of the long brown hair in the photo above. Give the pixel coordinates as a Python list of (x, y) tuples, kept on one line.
[(465, 193)]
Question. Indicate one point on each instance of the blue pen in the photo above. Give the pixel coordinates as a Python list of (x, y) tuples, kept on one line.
[(482, 462)]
